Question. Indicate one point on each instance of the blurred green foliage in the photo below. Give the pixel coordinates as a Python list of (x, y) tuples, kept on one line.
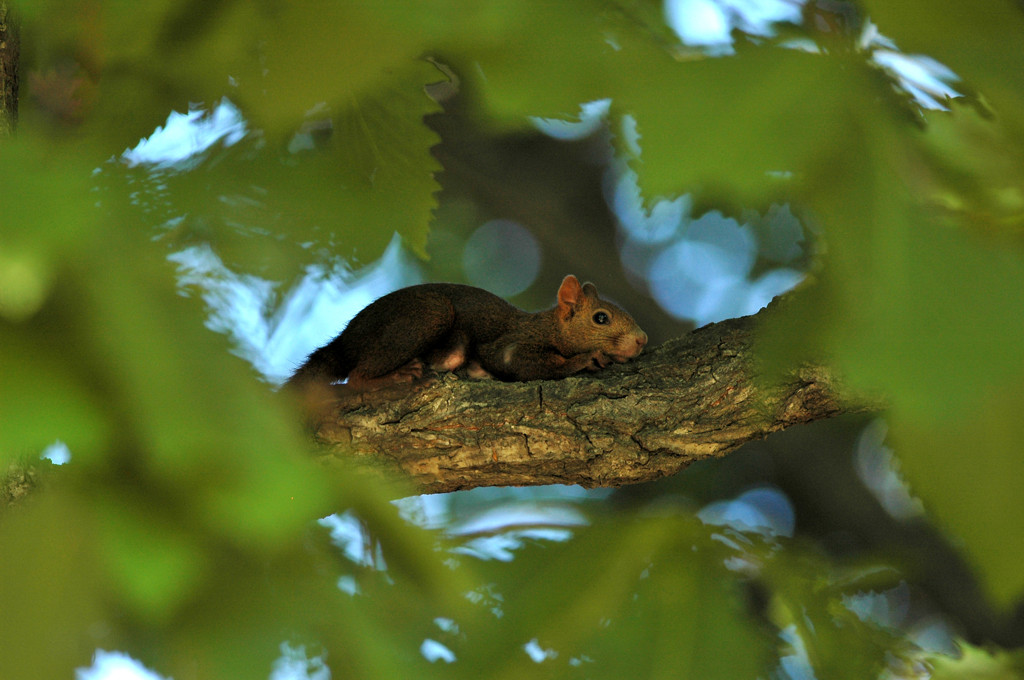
[(182, 532), (979, 664)]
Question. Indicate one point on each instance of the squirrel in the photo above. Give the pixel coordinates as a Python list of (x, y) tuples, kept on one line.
[(448, 326)]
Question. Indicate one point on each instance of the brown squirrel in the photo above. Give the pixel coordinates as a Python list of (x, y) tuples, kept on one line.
[(448, 326)]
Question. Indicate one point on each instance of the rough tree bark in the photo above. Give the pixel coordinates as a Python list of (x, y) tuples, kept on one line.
[(692, 398), (9, 47)]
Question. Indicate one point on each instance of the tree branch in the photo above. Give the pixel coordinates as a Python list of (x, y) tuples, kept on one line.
[(691, 398)]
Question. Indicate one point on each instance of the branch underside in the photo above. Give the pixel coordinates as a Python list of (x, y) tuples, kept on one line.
[(691, 398)]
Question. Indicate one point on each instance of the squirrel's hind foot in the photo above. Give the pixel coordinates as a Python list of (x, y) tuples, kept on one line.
[(408, 373)]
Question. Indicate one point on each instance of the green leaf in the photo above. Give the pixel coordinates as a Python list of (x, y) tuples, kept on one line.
[(529, 68), (892, 266), (808, 602), (42, 399), (278, 61), (264, 208), (47, 207), (154, 562), (739, 129), (968, 470), (52, 605), (648, 598), (977, 169), (922, 311), (195, 414), (383, 162), (308, 55), (47, 219)]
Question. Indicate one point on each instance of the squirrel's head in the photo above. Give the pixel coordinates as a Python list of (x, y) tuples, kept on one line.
[(589, 323)]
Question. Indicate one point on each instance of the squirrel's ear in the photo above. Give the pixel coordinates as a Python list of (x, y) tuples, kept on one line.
[(570, 294), (590, 290), (570, 291)]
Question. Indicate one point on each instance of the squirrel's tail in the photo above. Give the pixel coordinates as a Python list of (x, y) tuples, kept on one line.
[(323, 367)]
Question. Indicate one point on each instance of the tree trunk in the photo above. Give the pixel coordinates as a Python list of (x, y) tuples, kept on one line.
[(691, 398), (8, 71)]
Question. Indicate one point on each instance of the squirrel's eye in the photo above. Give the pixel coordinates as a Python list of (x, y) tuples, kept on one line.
[(602, 318)]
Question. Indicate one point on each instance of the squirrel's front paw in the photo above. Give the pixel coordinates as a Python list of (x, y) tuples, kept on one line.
[(598, 360)]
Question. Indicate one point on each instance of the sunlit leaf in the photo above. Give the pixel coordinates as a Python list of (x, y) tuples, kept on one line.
[(919, 304), (328, 55), (975, 663)]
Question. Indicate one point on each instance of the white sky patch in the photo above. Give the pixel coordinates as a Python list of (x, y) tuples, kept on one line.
[(115, 666), (711, 22), (348, 534), (277, 340), (707, 274), (187, 134), (507, 516), (765, 510), (591, 116), (502, 547), (57, 453), (538, 653), (698, 22), (878, 468), (450, 511), (926, 79), (236, 302), (498, 532), (797, 664), (348, 585), (447, 625), (433, 651), (320, 307), (295, 664), (757, 16)]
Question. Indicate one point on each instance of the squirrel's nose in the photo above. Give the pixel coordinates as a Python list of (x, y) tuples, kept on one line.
[(641, 340)]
